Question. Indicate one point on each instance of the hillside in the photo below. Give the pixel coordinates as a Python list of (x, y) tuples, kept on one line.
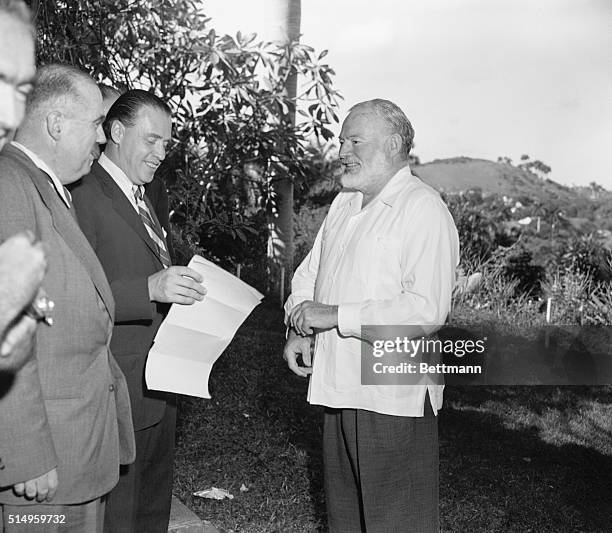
[(535, 208), (463, 173)]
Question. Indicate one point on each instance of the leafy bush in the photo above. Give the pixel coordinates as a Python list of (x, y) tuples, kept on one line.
[(233, 138), (307, 222), (477, 231), (569, 290), (496, 301), (518, 266), (598, 305), (586, 255)]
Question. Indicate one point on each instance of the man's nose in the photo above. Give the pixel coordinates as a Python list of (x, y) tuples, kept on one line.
[(344, 150), (11, 110), (100, 137), (160, 151)]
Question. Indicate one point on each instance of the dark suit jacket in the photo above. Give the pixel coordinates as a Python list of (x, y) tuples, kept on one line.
[(129, 257), (68, 406)]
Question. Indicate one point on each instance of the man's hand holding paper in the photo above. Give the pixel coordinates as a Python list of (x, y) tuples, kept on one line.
[(176, 284), (192, 337)]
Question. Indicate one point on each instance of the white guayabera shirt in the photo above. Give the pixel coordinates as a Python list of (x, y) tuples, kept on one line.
[(391, 263)]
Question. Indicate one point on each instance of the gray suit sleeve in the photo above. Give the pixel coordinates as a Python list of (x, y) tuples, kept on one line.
[(26, 444)]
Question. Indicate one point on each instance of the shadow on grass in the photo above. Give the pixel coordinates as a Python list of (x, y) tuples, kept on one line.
[(497, 479), (499, 469)]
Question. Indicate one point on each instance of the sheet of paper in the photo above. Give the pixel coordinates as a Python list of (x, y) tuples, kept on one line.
[(192, 337)]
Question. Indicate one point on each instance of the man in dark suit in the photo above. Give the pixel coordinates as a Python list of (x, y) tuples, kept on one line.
[(123, 229), (65, 415), (155, 189), (157, 193)]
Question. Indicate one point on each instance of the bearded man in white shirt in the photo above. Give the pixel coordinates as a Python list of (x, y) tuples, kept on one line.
[(385, 255)]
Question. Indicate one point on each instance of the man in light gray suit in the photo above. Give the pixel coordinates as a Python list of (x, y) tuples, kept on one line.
[(65, 415)]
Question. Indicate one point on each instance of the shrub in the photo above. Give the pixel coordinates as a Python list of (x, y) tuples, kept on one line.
[(586, 255), (307, 222), (233, 138), (518, 266), (570, 291)]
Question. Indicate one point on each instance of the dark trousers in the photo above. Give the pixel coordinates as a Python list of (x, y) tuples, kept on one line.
[(381, 472), (140, 503)]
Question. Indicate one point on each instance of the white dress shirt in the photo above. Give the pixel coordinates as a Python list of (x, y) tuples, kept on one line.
[(120, 178), (391, 263), (57, 184)]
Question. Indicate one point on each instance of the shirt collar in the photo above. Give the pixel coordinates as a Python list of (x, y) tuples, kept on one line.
[(120, 177), (57, 184), (390, 192)]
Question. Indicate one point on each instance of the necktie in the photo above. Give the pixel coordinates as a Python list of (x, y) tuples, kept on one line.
[(154, 230), (66, 199)]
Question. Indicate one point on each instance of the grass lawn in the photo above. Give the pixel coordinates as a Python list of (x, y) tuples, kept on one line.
[(520, 459)]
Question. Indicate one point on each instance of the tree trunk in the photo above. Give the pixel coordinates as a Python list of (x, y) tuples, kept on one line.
[(282, 23)]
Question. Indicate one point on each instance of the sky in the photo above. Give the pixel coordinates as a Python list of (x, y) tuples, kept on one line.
[(477, 78)]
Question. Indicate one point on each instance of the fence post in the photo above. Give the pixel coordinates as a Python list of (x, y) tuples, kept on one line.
[(548, 316), (282, 285)]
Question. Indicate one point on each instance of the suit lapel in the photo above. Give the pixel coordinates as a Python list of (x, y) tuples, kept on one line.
[(66, 225), (124, 208)]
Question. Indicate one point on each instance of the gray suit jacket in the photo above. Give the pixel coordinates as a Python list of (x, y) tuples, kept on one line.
[(68, 407)]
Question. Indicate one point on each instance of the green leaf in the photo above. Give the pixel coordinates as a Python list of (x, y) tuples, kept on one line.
[(229, 102)]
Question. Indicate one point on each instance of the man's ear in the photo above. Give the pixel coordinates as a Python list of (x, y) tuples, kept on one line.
[(394, 144), (55, 124), (117, 131)]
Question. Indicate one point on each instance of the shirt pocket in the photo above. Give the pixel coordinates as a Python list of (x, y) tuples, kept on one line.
[(375, 260)]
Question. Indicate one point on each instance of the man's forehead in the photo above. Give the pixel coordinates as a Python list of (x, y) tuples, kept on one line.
[(88, 90), (90, 99), (152, 120), (359, 121), (16, 50), (22, 31)]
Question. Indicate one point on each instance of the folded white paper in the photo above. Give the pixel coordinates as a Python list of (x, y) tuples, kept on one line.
[(192, 337)]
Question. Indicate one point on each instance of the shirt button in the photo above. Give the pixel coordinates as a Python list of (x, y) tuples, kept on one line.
[(111, 388)]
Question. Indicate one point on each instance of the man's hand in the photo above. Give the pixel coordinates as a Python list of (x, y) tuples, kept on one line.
[(16, 347), (176, 284), (294, 347), (22, 267), (308, 315), (42, 488)]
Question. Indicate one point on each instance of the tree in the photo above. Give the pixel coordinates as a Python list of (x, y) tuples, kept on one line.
[(230, 103), (284, 18), (535, 167)]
